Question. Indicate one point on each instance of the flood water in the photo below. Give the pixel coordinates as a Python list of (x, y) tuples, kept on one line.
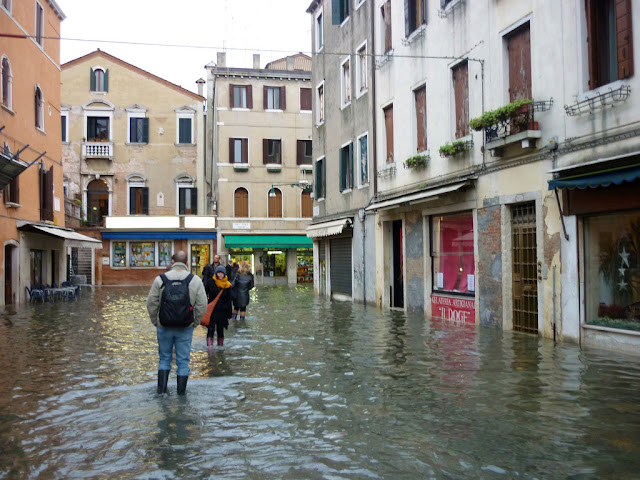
[(307, 388)]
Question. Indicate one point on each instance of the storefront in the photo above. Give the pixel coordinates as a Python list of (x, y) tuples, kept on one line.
[(603, 197)]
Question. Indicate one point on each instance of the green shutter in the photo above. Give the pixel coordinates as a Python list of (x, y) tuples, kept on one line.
[(350, 166), (318, 180), (184, 135), (335, 12), (194, 201), (145, 200), (91, 129), (92, 80), (343, 170), (145, 130), (106, 80)]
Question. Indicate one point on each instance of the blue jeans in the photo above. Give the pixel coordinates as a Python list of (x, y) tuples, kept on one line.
[(180, 338)]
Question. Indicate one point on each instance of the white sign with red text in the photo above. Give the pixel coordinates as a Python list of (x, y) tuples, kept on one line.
[(460, 311)]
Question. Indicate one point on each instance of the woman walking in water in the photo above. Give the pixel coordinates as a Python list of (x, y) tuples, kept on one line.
[(222, 311), (243, 283)]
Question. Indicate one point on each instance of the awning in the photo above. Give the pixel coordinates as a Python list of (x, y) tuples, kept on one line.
[(603, 178), (417, 197), (71, 238), (159, 235), (10, 168), (267, 241), (327, 229)]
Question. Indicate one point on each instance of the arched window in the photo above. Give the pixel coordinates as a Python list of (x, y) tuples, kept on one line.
[(97, 202), (99, 80), (241, 203), (39, 106), (275, 203), (6, 83), (306, 205)]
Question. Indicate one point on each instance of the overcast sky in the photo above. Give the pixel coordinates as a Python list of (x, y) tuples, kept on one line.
[(272, 28)]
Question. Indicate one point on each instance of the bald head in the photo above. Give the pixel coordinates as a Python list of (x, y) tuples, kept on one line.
[(180, 257)]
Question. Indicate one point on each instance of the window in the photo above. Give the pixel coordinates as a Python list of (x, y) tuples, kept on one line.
[(306, 205), (609, 41), (238, 150), (274, 98), (64, 125), (99, 80), (319, 31), (460, 76), (320, 103), (612, 269), (98, 129), (142, 254), (139, 130), (345, 83), (271, 151), (39, 24), (39, 108), (275, 203), (138, 199), (363, 160), (305, 99), (303, 152), (241, 203), (11, 192), (339, 11), (187, 200), (6, 4), (415, 15), (361, 70), (452, 253), (98, 201), (346, 167), (164, 254), (46, 194), (385, 11), (388, 125), (519, 50), (7, 84), (119, 254), (185, 126), (321, 176), (241, 96), (420, 101)]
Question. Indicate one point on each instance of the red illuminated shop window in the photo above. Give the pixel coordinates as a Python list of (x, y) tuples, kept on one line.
[(452, 253)]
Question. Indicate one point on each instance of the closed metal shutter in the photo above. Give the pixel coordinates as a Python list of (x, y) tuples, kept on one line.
[(341, 265)]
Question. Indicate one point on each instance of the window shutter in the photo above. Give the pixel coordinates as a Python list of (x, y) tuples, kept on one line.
[(232, 150), (185, 130), (91, 129), (249, 97), (132, 200), (231, 99), (63, 128), (305, 99), (265, 151), (343, 170), (92, 80), (194, 201), (145, 130), (335, 12), (265, 97), (283, 98), (407, 18), (245, 150), (145, 200), (318, 179), (106, 80), (350, 166), (48, 194), (132, 130), (324, 180), (423, 11), (624, 38), (299, 151), (591, 43)]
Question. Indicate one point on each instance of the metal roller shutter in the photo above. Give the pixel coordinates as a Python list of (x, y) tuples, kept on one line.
[(341, 267)]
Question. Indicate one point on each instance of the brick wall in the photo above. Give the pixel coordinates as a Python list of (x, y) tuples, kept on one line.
[(489, 274)]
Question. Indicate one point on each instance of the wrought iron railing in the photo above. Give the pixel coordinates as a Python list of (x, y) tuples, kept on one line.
[(604, 99), (519, 121)]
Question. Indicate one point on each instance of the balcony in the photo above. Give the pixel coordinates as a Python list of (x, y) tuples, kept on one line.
[(97, 150)]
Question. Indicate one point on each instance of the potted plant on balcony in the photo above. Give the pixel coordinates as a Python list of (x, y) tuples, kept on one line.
[(454, 148), (493, 117), (417, 161)]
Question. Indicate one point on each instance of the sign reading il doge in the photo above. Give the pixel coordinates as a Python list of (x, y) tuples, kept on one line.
[(456, 310)]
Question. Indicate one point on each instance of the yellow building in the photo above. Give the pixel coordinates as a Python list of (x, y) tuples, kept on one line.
[(134, 159)]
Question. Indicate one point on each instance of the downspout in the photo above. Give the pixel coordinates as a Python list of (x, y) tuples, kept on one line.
[(374, 142)]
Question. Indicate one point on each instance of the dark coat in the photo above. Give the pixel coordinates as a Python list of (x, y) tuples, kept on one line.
[(207, 278), (244, 283), (223, 309)]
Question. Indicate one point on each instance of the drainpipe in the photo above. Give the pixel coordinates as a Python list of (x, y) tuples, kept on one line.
[(554, 304), (374, 142)]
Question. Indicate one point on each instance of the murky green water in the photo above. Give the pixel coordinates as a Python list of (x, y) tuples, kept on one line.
[(307, 389)]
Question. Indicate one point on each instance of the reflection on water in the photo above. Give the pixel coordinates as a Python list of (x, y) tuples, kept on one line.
[(310, 389)]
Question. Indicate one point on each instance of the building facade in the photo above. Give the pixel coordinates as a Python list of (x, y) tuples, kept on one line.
[(133, 151), (505, 150), (260, 126), (35, 244)]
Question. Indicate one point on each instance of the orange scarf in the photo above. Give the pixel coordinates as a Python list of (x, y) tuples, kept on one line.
[(224, 283)]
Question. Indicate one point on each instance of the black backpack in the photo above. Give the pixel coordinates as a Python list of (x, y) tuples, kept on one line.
[(175, 305)]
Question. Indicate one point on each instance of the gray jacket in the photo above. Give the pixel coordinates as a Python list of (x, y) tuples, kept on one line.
[(197, 294)]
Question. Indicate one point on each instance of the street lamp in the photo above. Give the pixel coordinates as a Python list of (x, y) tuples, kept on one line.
[(305, 186)]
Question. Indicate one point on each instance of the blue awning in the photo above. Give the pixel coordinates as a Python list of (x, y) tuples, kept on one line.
[(597, 179), (159, 235)]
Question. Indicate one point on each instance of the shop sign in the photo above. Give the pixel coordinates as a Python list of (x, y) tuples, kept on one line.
[(241, 226), (460, 311)]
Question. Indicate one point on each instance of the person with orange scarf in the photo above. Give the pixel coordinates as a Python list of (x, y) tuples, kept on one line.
[(223, 309)]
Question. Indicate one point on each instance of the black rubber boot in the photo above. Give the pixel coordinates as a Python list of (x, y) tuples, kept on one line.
[(182, 384), (163, 378)]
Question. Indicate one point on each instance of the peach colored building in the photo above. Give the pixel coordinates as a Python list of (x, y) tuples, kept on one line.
[(34, 241)]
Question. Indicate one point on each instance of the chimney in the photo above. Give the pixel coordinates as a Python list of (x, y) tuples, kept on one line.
[(200, 82), (222, 59), (256, 61), (290, 63)]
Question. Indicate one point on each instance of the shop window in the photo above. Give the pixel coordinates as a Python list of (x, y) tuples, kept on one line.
[(452, 253), (119, 254), (164, 254), (142, 254), (612, 270)]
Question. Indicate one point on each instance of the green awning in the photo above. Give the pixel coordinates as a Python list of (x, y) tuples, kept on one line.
[(267, 241), (597, 179)]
